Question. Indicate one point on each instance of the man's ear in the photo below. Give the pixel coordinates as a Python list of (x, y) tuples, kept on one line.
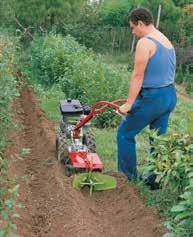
[(140, 23)]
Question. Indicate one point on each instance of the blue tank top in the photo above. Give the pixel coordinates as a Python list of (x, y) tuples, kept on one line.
[(161, 67)]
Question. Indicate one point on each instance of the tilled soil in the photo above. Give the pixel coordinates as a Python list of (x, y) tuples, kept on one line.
[(52, 208)]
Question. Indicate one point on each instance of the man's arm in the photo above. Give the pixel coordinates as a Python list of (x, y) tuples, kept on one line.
[(142, 55)]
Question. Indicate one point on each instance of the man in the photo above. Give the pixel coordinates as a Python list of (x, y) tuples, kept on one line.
[(151, 97)]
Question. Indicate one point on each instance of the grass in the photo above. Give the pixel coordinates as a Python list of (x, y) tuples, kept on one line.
[(106, 146)]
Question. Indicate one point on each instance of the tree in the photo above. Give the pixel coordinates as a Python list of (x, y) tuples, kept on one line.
[(114, 12), (44, 13), (182, 3), (88, 29)]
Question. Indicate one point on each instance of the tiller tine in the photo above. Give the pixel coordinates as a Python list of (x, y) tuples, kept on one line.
[(94, 181)]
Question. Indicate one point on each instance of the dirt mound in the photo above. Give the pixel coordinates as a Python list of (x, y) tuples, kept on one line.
[(52, 208)]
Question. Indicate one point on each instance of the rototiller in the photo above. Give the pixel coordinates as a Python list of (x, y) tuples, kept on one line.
[(76, 147)]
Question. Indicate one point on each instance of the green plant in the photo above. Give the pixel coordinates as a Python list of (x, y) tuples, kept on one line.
[(114, 12), (184, 75), (190, 123), (7, 83), (8, 194), (188, 78), (181, 223), (8, 90), (170, 160), (79, 72)]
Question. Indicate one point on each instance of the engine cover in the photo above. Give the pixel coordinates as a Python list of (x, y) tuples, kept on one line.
[(71, 107)]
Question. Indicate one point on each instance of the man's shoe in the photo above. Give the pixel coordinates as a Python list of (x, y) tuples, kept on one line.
[(150, 181)]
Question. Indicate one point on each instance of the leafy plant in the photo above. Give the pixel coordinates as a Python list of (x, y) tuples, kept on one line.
[(8, 194), (181, 223), (8, 84), (79, 72), (184, 75), (172, 162)]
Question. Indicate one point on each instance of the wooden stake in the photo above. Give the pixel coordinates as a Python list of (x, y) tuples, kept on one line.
[(158, 16)]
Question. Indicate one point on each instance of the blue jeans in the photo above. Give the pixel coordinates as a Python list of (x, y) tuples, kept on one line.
[(152, 107)]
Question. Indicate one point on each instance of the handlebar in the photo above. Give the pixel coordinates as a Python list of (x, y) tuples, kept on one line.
[(103, 105)]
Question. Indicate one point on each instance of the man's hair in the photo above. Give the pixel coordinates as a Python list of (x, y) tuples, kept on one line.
[(141, 14)]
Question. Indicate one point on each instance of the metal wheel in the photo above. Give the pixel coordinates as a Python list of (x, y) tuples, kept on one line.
[(89, 141), (61, 148)]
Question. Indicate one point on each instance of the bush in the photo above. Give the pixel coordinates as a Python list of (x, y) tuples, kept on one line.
[(52, 58), (181, 223), (170, 159), (88, 29), (184, 75), (172, 162), (8, 195), (7, 83), (80, 73), (8, 189), (114, 12)]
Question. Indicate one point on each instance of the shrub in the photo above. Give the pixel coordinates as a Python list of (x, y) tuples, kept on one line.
[(8, 189), (184, 75), (8, 194), (80, 73), (181, 223), (172, 162), (7, 83), (52, 57)]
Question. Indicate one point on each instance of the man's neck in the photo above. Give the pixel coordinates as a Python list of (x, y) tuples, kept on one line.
[(149, 30)]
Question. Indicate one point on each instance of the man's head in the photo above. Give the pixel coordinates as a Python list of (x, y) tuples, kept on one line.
[(140, 20)]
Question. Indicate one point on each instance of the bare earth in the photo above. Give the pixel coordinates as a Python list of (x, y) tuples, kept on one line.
[(52, 208)]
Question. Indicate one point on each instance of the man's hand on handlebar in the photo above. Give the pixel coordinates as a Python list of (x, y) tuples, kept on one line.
[(125, 108)]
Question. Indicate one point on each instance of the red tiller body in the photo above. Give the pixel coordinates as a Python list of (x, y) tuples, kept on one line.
[(88, 160)]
